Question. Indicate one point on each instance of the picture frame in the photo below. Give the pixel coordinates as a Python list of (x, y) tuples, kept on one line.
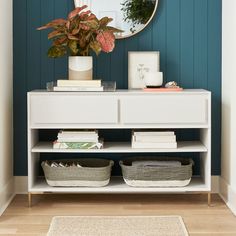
[(140, 62)]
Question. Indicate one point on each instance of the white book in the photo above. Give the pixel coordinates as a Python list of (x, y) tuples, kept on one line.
[(77, 139), (153, 145), (155, 139), (80, 83), (80, 136), (78, 89), (78, 131), (77, 135), (153, 133)]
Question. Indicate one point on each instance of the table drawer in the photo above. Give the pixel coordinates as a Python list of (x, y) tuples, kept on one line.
[(73, 109), (165, 109)]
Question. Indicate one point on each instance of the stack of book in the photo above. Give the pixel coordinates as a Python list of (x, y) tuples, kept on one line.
[(78, 139), (149, 139), (79, 85)]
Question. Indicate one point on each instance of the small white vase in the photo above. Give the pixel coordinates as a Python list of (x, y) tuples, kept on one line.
[(80, 68), (153, 79)]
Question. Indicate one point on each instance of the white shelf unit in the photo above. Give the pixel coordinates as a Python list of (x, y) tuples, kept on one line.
[(189, 109), (123, 147), (117, 185)]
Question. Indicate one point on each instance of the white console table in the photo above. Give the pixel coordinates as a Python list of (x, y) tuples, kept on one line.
[(123, 109)]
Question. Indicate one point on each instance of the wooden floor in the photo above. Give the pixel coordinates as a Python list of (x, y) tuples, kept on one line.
[(199, 219)]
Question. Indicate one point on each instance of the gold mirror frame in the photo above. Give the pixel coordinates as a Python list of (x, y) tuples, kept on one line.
[(141, 29)]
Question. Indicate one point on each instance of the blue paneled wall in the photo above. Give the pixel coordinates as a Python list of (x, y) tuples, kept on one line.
[(186, 32)]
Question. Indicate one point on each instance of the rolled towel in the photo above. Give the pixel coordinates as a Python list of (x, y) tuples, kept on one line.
[(157, 163)]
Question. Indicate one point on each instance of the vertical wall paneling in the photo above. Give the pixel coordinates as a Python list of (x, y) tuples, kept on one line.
[(103, 72), (187, 43), (61, 64), (34, 45), (117, 62), (200, 43), (47, 64), (145, 38), (186, 32), (214, 77), (173, 40), (20, 86), (159, 34)]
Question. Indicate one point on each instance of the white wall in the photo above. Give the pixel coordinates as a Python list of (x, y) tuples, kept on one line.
[(6, 100), (228, 180)]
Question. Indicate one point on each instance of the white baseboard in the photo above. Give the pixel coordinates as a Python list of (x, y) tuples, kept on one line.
[(228, 195), (21, 184), (6, 195)]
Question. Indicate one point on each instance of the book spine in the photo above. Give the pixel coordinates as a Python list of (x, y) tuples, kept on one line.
[(77, 132), (77, 135), (76, 139), (81, 89), (150, 133), (154, 139), (86, 83), (153, 145)]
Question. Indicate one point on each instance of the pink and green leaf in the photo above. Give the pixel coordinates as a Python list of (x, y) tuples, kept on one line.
[(73, 47), (54, 34), (96, 47), (106, 40), (76, 12), (52, 24), (105, 21), (60, 41), (56, 51)]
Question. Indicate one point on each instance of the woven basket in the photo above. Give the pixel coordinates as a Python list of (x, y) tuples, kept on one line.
[(92, 173), (146, 176)]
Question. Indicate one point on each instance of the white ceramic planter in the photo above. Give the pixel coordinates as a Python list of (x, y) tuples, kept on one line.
[(153, 79), (80, 68)]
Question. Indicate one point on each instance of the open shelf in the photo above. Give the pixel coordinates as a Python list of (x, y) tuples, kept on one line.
[(117, 185), (122, 147)]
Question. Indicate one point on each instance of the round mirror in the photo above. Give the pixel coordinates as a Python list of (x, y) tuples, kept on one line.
[(131, 16)]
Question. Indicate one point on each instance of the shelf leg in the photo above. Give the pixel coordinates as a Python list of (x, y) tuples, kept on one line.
[(209, 199), (29, 199)]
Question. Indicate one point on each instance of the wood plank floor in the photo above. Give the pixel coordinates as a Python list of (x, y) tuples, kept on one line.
[(199, 219)]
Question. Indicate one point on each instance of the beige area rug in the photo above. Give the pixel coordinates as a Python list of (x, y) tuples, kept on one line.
[(117, 226)]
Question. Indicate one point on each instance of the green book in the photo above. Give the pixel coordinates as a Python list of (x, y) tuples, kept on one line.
[(77, 145)]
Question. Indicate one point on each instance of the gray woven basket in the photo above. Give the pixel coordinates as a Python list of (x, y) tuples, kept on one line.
[(93, 173), (147, 176)]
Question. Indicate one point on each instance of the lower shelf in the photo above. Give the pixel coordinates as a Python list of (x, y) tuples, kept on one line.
[(117, 185)]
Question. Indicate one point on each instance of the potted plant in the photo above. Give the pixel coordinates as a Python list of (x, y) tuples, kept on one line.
[(77, 35)]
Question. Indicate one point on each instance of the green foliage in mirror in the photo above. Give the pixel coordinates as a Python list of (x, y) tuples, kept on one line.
[(137, 11)]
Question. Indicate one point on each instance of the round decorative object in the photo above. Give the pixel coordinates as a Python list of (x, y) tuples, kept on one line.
[(80, 68), (171, 84), (131, 16)]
